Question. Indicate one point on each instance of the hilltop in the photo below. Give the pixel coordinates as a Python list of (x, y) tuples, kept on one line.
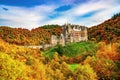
[(108, 31), (35, 36)]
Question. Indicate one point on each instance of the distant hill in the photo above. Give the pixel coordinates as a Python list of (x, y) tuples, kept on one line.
[(35, 36), (108, 31)]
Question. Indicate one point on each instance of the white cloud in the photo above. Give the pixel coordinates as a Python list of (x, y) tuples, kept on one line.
[(105, 9), (25, 17), (59, 21), (39, 15)]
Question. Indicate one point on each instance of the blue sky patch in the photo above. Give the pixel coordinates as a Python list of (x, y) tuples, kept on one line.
[(63, 8), (6, 9), (24, 3), (52, 16), (89, 14)]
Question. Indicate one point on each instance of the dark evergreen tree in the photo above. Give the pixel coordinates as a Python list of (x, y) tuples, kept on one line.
[(116, 15)]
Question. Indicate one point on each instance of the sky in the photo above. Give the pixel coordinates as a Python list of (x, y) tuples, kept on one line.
[(35, 13)]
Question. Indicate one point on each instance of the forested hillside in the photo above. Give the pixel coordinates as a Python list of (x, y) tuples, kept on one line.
[(23, 63), (108, 31), (35, 36), (75, 61)]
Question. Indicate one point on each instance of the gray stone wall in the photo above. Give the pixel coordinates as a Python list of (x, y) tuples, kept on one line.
[(54, 40), (71, 33)]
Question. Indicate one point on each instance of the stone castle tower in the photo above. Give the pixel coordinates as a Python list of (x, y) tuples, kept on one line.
[(71, 33)]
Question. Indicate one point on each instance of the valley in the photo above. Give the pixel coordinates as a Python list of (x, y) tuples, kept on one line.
[(28, 54)]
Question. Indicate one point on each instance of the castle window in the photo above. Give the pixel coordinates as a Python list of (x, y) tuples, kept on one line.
[(75, 27), (82, 35)]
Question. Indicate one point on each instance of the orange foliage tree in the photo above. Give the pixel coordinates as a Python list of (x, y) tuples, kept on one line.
[(108, 51)]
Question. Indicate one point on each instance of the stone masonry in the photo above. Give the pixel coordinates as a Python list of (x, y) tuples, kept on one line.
[(70, 33)]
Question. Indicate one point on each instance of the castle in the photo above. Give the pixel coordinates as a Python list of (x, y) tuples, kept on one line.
[(70, 33)]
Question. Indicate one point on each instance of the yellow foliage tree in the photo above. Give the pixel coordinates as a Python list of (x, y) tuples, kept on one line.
[(10, 69), (85, 72), (104, 68)]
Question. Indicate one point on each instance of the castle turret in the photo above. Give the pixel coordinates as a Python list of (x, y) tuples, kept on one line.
[(54, 40), (69, 29), (86, 35), (62, 40)]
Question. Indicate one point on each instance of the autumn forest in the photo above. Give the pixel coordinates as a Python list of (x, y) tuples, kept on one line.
[(96, 59)]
